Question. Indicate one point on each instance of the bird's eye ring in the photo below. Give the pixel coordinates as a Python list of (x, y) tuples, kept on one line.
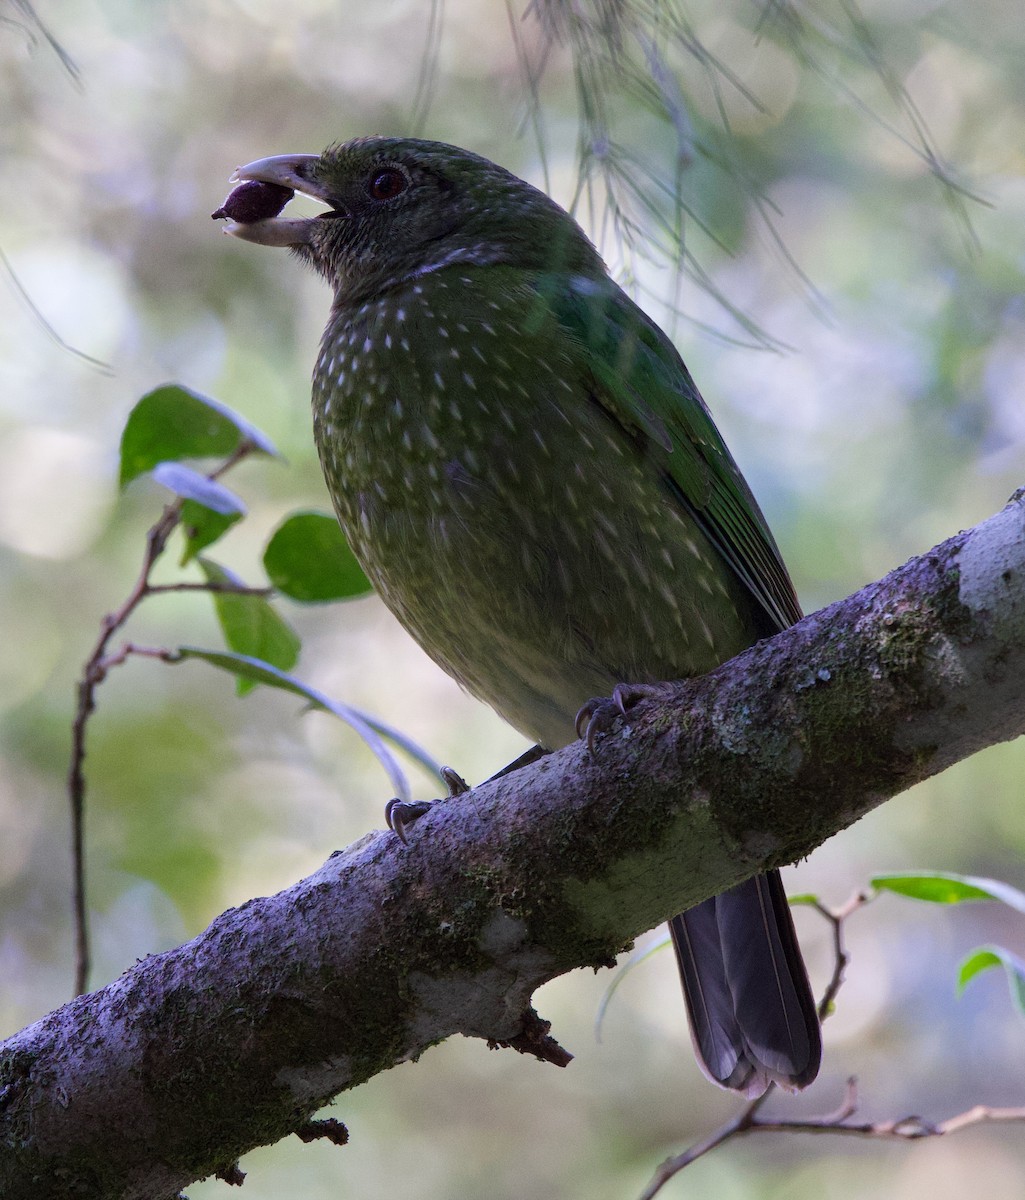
[(387, 184)]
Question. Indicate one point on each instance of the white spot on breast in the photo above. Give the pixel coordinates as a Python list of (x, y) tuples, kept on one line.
[(604, 548), (668, 595)]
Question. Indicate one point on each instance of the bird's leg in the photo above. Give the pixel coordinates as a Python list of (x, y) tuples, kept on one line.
[(400, 814), (599, 714), (525, 759)]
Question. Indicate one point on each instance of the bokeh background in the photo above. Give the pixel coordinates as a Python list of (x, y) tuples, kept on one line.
[(860, 335)]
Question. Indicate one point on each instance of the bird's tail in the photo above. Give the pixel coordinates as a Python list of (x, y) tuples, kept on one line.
[(752, 1015)]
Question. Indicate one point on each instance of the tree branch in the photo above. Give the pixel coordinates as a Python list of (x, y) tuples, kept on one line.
[(236, 1039)]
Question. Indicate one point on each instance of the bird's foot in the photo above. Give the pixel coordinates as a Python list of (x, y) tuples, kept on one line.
[(400, 814), (599, 714)]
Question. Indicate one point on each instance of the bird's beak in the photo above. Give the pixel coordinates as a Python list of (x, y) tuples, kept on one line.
[(291, 171)]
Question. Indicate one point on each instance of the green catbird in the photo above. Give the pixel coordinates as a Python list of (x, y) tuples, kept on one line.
[(529, 477)]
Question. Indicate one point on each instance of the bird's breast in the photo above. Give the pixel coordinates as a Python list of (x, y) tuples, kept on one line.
[(521, 537)]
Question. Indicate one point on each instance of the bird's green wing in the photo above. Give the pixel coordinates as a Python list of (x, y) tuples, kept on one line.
[(642, 383)]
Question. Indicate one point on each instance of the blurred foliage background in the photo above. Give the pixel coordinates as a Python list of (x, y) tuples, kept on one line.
[(856, 323)]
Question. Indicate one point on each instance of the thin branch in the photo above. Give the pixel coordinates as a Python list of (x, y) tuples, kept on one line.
[(837, 918), (903, 1129), (94, 671), (909, 1128)]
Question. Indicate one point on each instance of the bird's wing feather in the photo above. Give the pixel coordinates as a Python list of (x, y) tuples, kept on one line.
[(640, 380)]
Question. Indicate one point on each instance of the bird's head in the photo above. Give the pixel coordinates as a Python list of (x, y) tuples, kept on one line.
[(399, 208)]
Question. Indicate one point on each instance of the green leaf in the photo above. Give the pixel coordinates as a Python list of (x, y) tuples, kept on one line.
[(174, 422), (191, 485), (309, 559), (985, 957), (253, 671), (941, 887), (809, 898), (250, 625), (202, 527)]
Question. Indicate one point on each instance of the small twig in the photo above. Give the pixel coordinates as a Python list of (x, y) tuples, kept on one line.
[(233, 1176), (94, 672), (536, 1039), (841, 959), (329, 1129), (903, 1129), (906, 1129), (743, 1121), (129, 649)]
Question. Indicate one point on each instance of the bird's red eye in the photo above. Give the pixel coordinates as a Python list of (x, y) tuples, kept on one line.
[(387, 184)]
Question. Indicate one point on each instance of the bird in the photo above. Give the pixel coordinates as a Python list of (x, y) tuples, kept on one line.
[(528, 475)]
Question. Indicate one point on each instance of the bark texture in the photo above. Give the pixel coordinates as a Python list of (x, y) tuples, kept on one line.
[(237, 1038)]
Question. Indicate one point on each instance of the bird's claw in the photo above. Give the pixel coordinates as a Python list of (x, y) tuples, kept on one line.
[(597, 716), (456, 784), (400, 814)]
